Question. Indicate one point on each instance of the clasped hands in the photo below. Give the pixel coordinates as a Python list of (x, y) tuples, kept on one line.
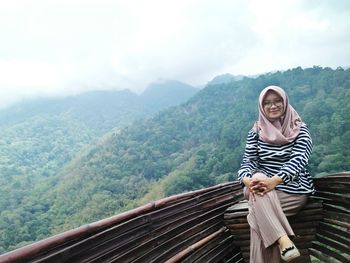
[(261, 186)]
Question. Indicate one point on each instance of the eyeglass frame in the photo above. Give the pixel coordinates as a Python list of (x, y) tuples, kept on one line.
[(277, 103)]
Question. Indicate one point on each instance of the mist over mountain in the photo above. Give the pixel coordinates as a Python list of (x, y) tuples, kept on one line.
[(98, 107), (166, 92), (196, 144), (224, 78)]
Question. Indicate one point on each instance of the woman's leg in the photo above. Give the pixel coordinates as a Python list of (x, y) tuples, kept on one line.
[(268, 223), (292, 203), (259, 253)]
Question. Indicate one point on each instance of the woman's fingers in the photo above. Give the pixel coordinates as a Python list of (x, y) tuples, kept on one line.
[(258, 185), (259, 188), (254, 182)]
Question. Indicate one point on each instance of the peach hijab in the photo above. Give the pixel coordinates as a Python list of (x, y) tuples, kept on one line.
[(280, 131)]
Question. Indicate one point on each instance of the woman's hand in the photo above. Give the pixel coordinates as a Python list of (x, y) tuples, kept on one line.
[(261, 186), (252, 185), (266, 185)]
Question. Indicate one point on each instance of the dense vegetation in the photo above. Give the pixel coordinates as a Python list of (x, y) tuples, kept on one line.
[(39, 137), (194, 145)]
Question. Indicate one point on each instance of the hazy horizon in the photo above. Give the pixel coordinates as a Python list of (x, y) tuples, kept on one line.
[(60, 48)]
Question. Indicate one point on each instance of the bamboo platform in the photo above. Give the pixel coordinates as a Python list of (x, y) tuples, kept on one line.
[(190, 227), (304, 224)]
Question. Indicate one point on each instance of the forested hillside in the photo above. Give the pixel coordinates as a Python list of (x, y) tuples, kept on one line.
[(39, 137), (194, 145)]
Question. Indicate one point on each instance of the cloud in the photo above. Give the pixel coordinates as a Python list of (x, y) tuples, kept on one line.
[(52, 47)]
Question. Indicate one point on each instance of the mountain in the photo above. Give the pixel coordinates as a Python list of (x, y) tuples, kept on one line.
[(166, 92), (225, 78), (193, 145), (98, 107), (39, 137)]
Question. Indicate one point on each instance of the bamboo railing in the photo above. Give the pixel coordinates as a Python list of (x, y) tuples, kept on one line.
[(332, 242), (187, 228)]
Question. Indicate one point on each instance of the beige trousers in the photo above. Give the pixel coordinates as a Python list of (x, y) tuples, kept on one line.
[(268, 221)]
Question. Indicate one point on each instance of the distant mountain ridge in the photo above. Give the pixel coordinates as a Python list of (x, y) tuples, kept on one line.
[(174, 93), (225, 78), (103, 104), (83, 118)]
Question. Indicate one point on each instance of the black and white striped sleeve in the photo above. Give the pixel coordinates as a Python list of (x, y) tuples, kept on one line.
[(250, 157), (301, 152)]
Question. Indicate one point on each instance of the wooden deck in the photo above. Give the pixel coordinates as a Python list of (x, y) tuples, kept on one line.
[(188, 228)]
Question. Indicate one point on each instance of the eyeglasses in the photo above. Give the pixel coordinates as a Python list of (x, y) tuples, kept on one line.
[(268, 104)]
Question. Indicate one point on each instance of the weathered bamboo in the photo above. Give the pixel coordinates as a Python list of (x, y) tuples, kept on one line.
[(195, 246), (329, 209), (333, 238), (190, 228), (137, 233)]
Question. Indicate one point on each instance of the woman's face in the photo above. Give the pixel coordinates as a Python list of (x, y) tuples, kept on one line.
[(273, 105)]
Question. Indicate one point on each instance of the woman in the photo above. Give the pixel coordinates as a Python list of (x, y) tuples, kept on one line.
[(273, 171)]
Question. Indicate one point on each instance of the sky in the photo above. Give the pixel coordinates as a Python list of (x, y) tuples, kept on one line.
[(65, 47)]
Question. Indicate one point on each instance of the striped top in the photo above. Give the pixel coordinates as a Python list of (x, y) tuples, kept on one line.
[(286, 161)]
